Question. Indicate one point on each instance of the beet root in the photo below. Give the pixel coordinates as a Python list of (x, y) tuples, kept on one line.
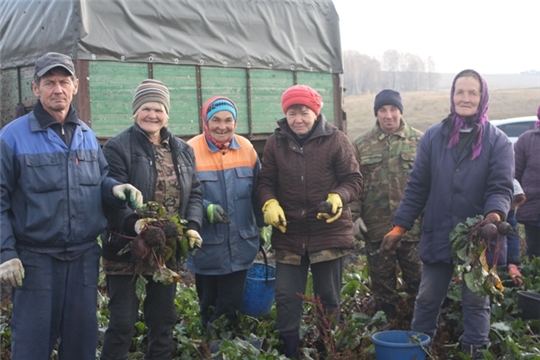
[(489, 232), (139, 248), (324, 207), (505, 228), (153, 236)]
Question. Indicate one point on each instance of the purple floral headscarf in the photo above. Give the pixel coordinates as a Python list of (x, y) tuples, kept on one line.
[(478, 119)]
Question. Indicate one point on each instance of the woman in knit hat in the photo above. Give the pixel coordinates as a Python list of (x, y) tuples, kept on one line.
[(227, 166), (162, 166), (527, 150), (306, 162), (463, 168)]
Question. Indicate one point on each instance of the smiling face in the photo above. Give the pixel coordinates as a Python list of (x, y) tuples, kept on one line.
[(389, 118), (221, 126), (151, 118), (55, 90), (300, 119), (467, 95)]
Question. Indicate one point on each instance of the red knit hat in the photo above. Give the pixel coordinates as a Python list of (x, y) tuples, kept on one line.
[(301, 95)]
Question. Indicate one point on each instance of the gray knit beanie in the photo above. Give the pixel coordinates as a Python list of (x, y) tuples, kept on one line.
[(151, 91)]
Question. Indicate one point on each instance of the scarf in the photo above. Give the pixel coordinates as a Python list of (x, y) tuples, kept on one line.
[(477, 120)]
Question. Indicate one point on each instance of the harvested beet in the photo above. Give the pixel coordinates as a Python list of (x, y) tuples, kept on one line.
[(139, 248), (505, 228), (324, 207), (490, 232), (153, 235), (170, 229)]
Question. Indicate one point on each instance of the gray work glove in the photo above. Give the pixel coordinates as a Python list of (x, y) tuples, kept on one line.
[(12, 272), (359, 228), (216, 214), (128, 191)]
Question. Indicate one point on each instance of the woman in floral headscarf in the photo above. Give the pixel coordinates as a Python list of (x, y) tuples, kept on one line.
[(464, 167)]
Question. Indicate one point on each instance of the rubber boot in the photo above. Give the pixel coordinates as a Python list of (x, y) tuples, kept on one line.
[(473, 350), (291, 344)]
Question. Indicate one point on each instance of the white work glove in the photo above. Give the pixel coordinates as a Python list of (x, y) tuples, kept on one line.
[(359, 228), (195, 240), (12, 272), (123, 191), (141, 224)]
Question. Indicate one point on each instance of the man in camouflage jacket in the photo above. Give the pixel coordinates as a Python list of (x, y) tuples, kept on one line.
[(386, 154)]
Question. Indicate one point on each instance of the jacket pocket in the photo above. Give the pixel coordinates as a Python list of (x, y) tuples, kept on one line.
[(43, 173), (407, 161), (87, 168), (249, 233), (244, 182)]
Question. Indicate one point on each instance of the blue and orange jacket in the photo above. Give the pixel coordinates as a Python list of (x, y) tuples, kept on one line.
[(228, 178)]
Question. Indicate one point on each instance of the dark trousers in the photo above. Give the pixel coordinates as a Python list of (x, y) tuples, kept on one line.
[(532, 236), (222, 292), (514, 246), (291, 280), (58, 300), (159, 316)]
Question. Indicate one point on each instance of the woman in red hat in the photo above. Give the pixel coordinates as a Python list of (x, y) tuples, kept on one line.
[(307, 161)]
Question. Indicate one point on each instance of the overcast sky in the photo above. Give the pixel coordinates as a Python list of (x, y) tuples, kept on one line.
[(491, 37)]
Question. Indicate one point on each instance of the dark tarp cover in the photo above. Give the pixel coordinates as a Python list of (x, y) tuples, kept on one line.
[(269, 34)]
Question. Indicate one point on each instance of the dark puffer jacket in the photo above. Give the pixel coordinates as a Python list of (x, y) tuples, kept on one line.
[(301, 177), (131, 160), (527, 157)]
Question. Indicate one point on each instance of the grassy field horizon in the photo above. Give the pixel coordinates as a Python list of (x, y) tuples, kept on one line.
[(425, 108)]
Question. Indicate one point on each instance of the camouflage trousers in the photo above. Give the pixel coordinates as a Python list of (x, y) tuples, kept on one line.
[(383, 270)]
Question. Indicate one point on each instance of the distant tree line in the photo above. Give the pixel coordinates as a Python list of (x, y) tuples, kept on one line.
[(399, 71)]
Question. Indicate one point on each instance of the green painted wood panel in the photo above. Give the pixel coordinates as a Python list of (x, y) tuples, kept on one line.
[(231, 83), (111, 87), (266, 89), (324, 85), (181, 80)]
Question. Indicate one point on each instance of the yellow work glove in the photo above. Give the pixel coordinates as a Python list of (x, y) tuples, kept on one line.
[(124, 191), (337, 208), (141, 224), (274, 215), (12, 272), (195, 240), (392, 239)]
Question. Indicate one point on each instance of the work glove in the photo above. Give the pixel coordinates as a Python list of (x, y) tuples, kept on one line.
[(359, 228), (492, 218), (515, 274), (392, 239), (12, 272), (123, 191), (141, 224), (274, 215), (337, 208), (216, 214), (195, 240)]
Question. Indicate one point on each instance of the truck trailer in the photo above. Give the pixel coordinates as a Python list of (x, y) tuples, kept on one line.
[(248, 50)]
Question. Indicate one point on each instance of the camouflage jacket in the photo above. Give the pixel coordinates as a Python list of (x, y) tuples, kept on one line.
[(386, 161)]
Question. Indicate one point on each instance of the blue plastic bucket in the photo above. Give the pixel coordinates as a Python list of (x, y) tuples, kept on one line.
[(259, 290), (400, 345)]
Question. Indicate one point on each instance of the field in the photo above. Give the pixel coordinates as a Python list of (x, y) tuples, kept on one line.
[(423, 109)]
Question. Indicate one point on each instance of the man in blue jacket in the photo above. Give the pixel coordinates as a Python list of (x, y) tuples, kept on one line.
[(53, 180)]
